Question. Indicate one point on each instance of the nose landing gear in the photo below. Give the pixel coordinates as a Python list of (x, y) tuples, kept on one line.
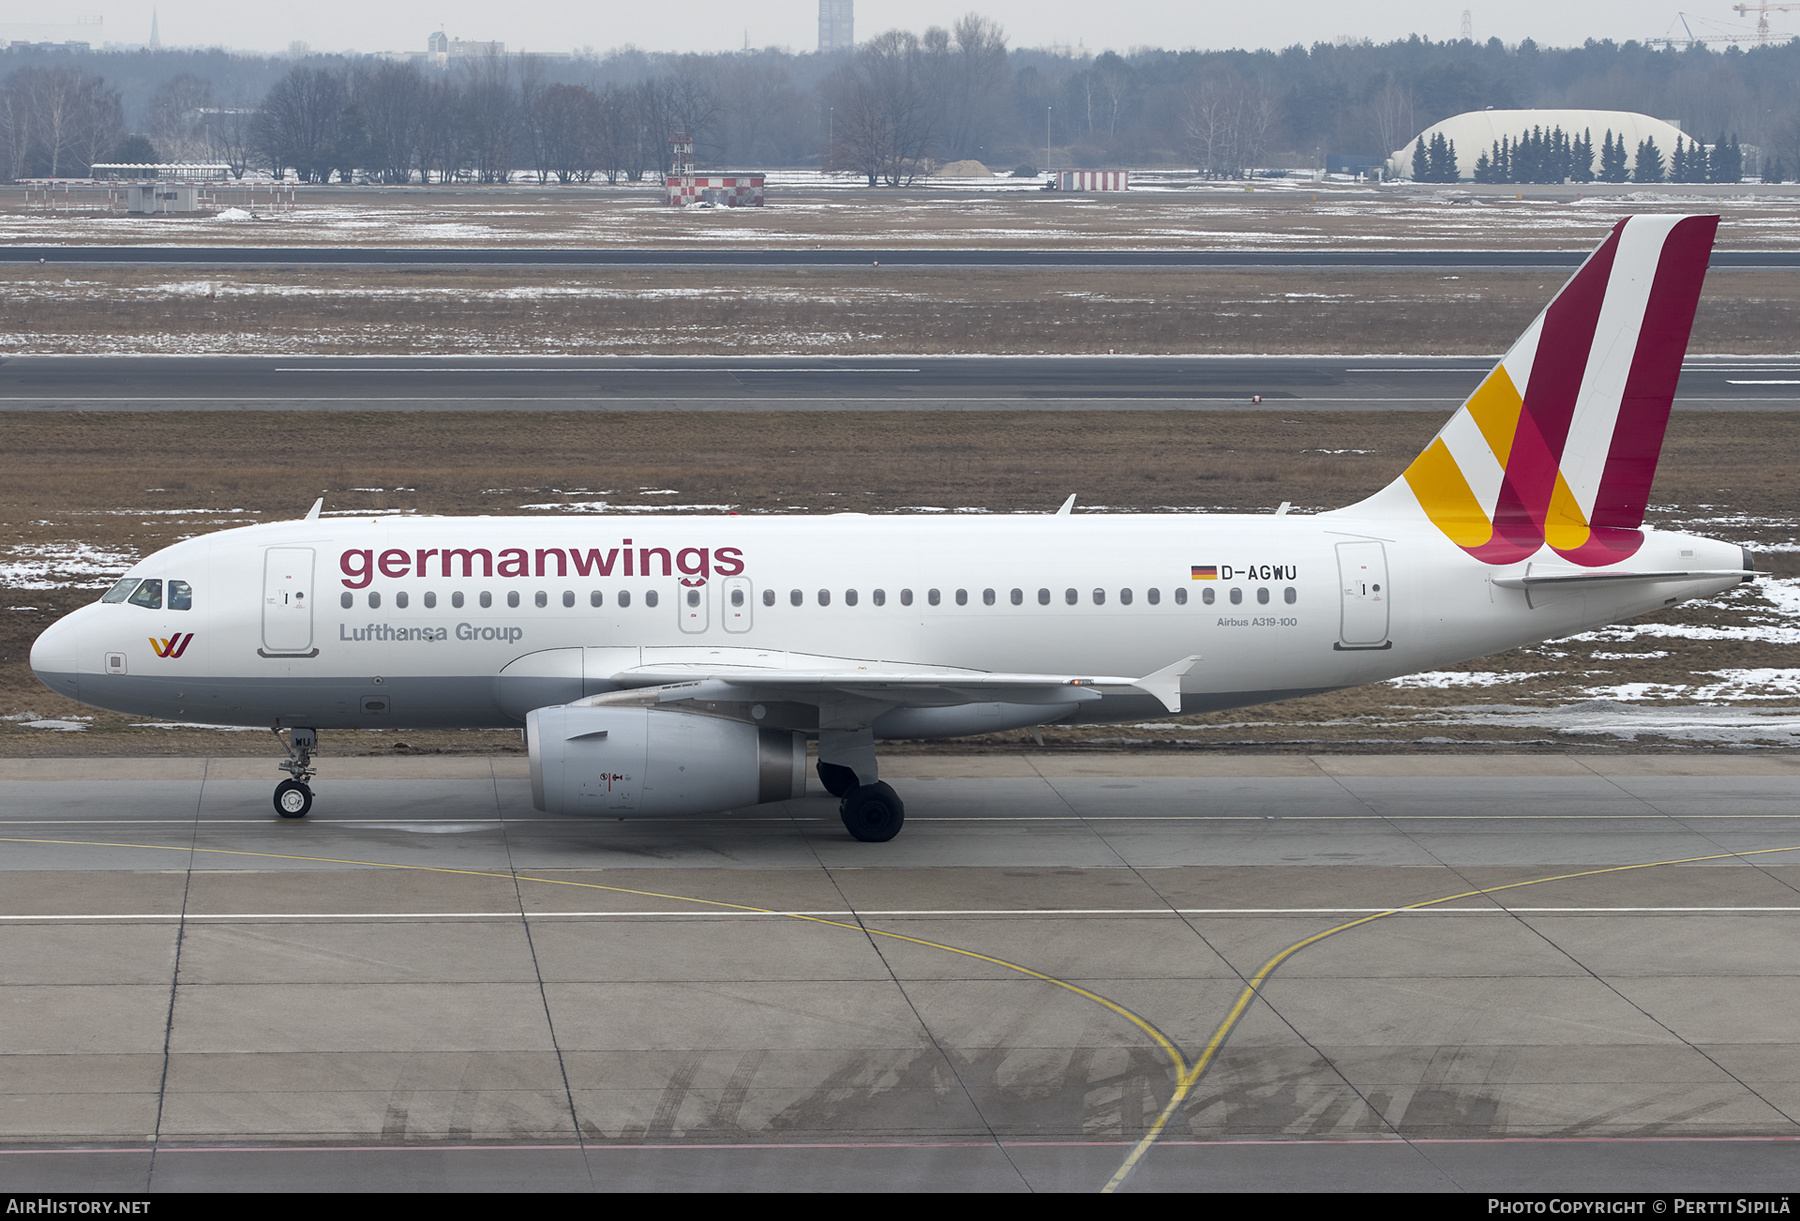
[(293, 797)]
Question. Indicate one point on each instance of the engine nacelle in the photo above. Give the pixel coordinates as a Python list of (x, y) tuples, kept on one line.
[(587, 760)]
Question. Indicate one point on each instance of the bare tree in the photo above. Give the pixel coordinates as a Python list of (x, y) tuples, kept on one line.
[(61, 119), (297, 123), (969, 79), (1226, 121), (1393, 111), (392, 99), (491, 118), (886, 117), (229, 132), (176, 122), (568, 123)]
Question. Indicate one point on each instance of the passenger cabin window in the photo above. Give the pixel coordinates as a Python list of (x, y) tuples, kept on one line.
[(1288, 595), (430, 600), (1237, 595), (148, 596), (568, 597), (347, 600), (1207, 595), (624, 598), (824, 597), (1043, 597), (1262, 595), (120, 591), (1153, 596), (768, 597), (879, 597), (181, 595), (400, 599), (374, 599), (1018, 597), (796, 598), (1181, 596), (456, 599), (487, 599), (906, 597), (987, 597), (849, 597), (962, 597), (542, 599), (693, 597), (512, 597), (1099, 597), (933, 596), (1071, 596), (596, 598), (737, 598), (1124, 597), (650, 597)]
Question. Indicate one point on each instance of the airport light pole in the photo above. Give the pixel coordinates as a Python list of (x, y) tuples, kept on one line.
[(1047, 111)]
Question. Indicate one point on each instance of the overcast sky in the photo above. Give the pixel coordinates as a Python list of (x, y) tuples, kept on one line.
[(716, 25)]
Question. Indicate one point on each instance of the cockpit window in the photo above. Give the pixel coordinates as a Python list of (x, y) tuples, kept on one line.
[(148, 595), (121, 590), (181, 595)]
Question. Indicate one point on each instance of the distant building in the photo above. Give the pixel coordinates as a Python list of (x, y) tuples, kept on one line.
[(1477, 131), (837, 25), (440, 49)]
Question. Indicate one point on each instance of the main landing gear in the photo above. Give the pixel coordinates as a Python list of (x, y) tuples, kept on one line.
[(872, 813), (293, 797)]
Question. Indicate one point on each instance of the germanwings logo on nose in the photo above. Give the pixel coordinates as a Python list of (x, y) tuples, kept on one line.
[(1559, 444), (174, 646)]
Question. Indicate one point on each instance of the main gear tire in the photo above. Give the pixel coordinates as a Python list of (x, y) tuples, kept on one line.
[(872, 813)]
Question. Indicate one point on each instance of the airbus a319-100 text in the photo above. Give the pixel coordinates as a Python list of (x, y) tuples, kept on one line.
[(680, 664)]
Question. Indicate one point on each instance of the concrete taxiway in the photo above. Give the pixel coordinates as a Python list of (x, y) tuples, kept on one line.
[(427, 984), (956, 383)]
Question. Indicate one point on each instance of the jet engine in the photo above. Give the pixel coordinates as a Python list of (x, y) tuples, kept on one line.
[(625, 760)]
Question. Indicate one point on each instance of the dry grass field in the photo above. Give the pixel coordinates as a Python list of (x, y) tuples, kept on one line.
[(841, 311), (85, 494)]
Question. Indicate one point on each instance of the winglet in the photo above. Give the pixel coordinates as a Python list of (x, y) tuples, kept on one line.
[(312, 514), (1068, 506), (1165, 684)]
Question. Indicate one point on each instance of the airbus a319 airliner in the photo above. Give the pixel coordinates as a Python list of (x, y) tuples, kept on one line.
[(674, 665)]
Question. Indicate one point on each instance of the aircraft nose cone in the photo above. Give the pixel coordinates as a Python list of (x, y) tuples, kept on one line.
[(54, 657)]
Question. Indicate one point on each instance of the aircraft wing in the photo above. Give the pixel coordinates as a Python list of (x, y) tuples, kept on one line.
[(899, 687)]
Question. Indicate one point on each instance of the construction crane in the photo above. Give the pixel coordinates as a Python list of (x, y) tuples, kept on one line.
[(1691, 39), (1762, 9)]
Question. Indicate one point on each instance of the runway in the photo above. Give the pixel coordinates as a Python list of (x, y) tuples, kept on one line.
[(899, 256), (962, 383), (428, 985)]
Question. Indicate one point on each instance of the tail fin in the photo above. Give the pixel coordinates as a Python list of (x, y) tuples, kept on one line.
[(1559, 444)]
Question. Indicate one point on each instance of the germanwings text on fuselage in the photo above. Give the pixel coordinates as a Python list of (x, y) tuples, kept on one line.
[(360, 566)]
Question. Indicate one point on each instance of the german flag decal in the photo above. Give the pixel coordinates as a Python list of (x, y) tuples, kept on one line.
[(1206, 572)]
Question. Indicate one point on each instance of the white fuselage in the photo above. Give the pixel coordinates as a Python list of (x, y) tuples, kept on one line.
[(433, 621)]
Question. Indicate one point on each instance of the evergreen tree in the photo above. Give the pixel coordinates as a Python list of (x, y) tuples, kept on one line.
[(1726, 163), (1649, 164), (1581, 158), (1678, 162), (1612, 159), (1421, 162)]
